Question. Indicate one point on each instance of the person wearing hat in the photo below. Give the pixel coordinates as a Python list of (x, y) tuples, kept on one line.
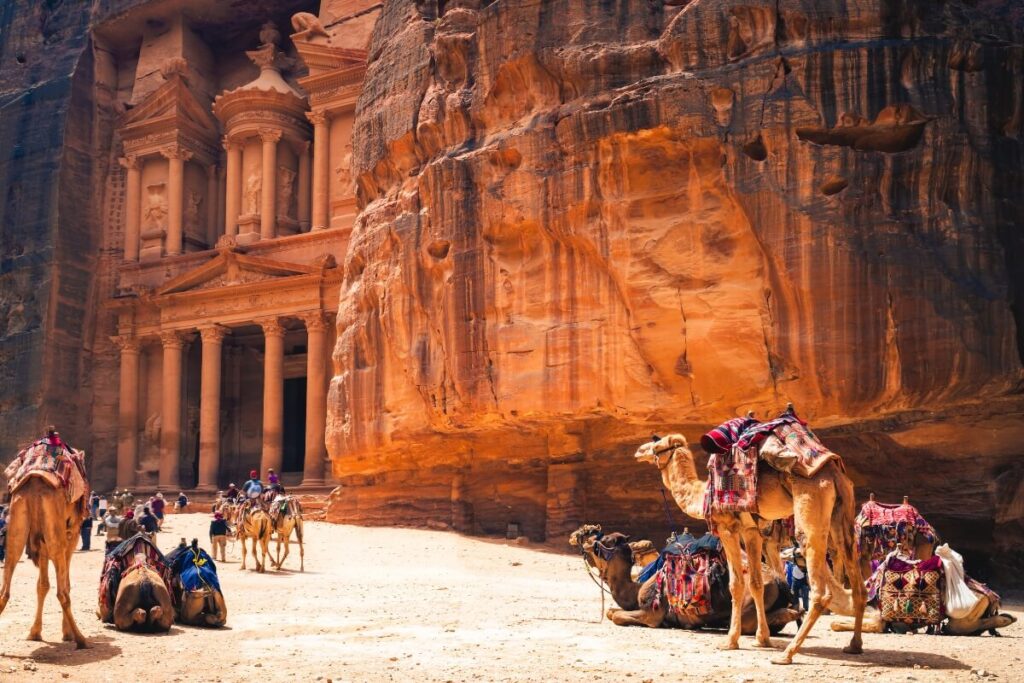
[(112, 522), (156, 504), (219, 531), (253, 487), (128, 526), (181, 503), (232, 493)]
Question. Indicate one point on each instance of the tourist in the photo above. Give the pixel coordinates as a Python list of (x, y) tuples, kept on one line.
[(219, 531), (101, 510), (253, 487), (273, 482), (157, 506), (127, 501), (112, 522), (148, 523), (94, 504), (796, 577), (181, 504), (128, 526), (232, 493), (86, 532)]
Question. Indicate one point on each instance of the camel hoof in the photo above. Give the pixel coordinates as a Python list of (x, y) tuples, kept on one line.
[(155, 613), (853, 650), (82, 644), (35, 636), (782, 661), (766, 643), (729, 645), (138, 616)]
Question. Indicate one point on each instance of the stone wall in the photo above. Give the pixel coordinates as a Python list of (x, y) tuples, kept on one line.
[(583, 222)]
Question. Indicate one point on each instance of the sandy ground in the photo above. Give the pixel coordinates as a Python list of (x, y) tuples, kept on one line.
[(409, 605)]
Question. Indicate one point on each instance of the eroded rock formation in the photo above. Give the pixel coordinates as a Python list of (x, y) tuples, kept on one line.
[(584, 222)]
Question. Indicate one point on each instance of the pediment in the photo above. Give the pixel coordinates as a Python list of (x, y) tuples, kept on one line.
[(229, 269), (320, 58), (173, 104)]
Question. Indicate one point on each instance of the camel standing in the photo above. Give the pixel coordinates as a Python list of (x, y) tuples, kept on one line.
[(823, 505), (288, 518), (42, 518), (254, 523)]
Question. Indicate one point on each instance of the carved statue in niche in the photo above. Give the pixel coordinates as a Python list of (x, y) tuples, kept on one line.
[(285, 191), (155, 215), (192, 215), (152, 430), (253, 190), (269, 35), (344, 170), (308, 25)]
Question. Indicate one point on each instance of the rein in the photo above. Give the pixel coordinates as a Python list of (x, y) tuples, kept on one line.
[(601, 573), (664, 498)]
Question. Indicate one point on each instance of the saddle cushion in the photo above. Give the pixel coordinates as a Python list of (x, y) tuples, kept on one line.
[(910, 592), (60, 465), (688, 571), (880, 528)]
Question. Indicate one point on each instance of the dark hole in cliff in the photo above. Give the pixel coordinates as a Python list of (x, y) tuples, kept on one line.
[(756, 149), (20, 59), (834, 185), (439, 249)]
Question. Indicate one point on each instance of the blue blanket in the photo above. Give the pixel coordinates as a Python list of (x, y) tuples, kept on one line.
[(196, 572)]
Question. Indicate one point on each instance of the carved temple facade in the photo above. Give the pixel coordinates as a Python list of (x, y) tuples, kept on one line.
[(231, 205)]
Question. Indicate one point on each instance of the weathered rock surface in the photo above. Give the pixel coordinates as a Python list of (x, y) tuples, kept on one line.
[(586, 221)]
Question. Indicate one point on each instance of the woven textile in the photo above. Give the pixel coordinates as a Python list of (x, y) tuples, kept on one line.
[(732, 482), (123, 559), (910, 592), (721, 438), (993, 598), (880, 528), (793, 448), (685, 577), (61, 466)]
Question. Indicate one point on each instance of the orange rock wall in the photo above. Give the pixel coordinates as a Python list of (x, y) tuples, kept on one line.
[(583, 222)]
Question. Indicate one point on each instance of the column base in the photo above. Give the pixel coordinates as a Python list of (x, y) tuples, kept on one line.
[(312, 482), (206, 488)]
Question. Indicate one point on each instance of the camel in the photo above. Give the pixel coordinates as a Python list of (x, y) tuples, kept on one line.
[(143, 602), (823, 506), (200, 600), (613, 556), (254, 523), (288, 517), (42, 517)]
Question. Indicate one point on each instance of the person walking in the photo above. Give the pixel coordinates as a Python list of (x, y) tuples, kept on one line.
[(102, 515), (148, 523), (157, 506), (219, 531), (94, 504), (86, 532)]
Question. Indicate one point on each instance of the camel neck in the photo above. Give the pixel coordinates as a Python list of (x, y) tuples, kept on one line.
[(680, 477), (625, 591)]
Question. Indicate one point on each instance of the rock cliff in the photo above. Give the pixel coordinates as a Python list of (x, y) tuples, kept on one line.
[(586, 221)]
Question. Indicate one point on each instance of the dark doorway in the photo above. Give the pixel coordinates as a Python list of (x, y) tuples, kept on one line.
[(294, 425)]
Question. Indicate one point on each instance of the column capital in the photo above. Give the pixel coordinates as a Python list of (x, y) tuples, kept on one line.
[(175, 339), (176, 152), (127, 343), (315, 320), (231, 143), (317, 117), (130, 162), (270, 135), (213, 334), (272, 326)]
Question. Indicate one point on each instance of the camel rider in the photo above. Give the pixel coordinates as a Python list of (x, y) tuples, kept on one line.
[(231, 494), (253, 487)]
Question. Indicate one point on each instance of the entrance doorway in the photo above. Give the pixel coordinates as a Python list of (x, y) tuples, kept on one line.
[(294, 437)]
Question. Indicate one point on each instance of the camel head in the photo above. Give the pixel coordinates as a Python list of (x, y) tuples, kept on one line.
[(600, 551), (583, 535), (660, 451)]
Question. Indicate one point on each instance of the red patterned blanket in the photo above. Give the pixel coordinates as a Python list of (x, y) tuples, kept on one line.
[(57, 463)]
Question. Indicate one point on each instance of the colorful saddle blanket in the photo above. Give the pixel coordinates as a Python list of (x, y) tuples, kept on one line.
[(62, 466), (881, 527), (732, 482), (122, 559), (688, 569), (908, 591), (195, 570)]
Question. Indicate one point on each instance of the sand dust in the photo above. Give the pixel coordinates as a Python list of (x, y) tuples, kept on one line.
[(409, 605)]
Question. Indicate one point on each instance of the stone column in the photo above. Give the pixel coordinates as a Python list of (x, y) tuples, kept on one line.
[(321, 168), (304, 189), (132, 207), (170, 433), (268, 203), (176, 158), (233, 186), (209, 407), (316, 398), (273, 394), (128, 411), (211, 205)]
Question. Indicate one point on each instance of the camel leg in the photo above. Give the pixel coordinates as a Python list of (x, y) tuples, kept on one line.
[(17, 536), (287, 548), (755, 582), (811, 509), (733, 555), (773, 554), (60, 565), (243, 540), (872, 623), (302, 551), (265, 546), (42, 588), (851, 563), (639, 617)]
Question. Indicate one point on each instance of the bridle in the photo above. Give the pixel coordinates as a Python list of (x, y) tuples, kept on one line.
[(671, 450)]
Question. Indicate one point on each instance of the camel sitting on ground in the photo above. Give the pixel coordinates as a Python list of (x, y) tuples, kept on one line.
[(253, 523), (286, 514), (613, 556), (42, 517), (143, 602), (197, 588), (823, 506)]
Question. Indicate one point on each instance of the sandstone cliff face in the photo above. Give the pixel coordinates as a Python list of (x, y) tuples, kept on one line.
[(586, 221)]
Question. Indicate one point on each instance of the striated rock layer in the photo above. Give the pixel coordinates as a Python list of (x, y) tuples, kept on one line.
[(584, 222)]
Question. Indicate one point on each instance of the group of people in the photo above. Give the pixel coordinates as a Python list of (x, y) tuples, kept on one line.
[(122, 515)]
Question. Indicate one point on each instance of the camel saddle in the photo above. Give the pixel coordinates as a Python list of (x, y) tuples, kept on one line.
[(57, 463), (686, 572), (908, 591), (122, 559), (881, 528)]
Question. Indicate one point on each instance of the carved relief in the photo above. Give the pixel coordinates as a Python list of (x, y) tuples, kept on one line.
[(152, 431), (344, 170), (307, 26), (285, 191), (253, 191), (193, 220), (155, 214)]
